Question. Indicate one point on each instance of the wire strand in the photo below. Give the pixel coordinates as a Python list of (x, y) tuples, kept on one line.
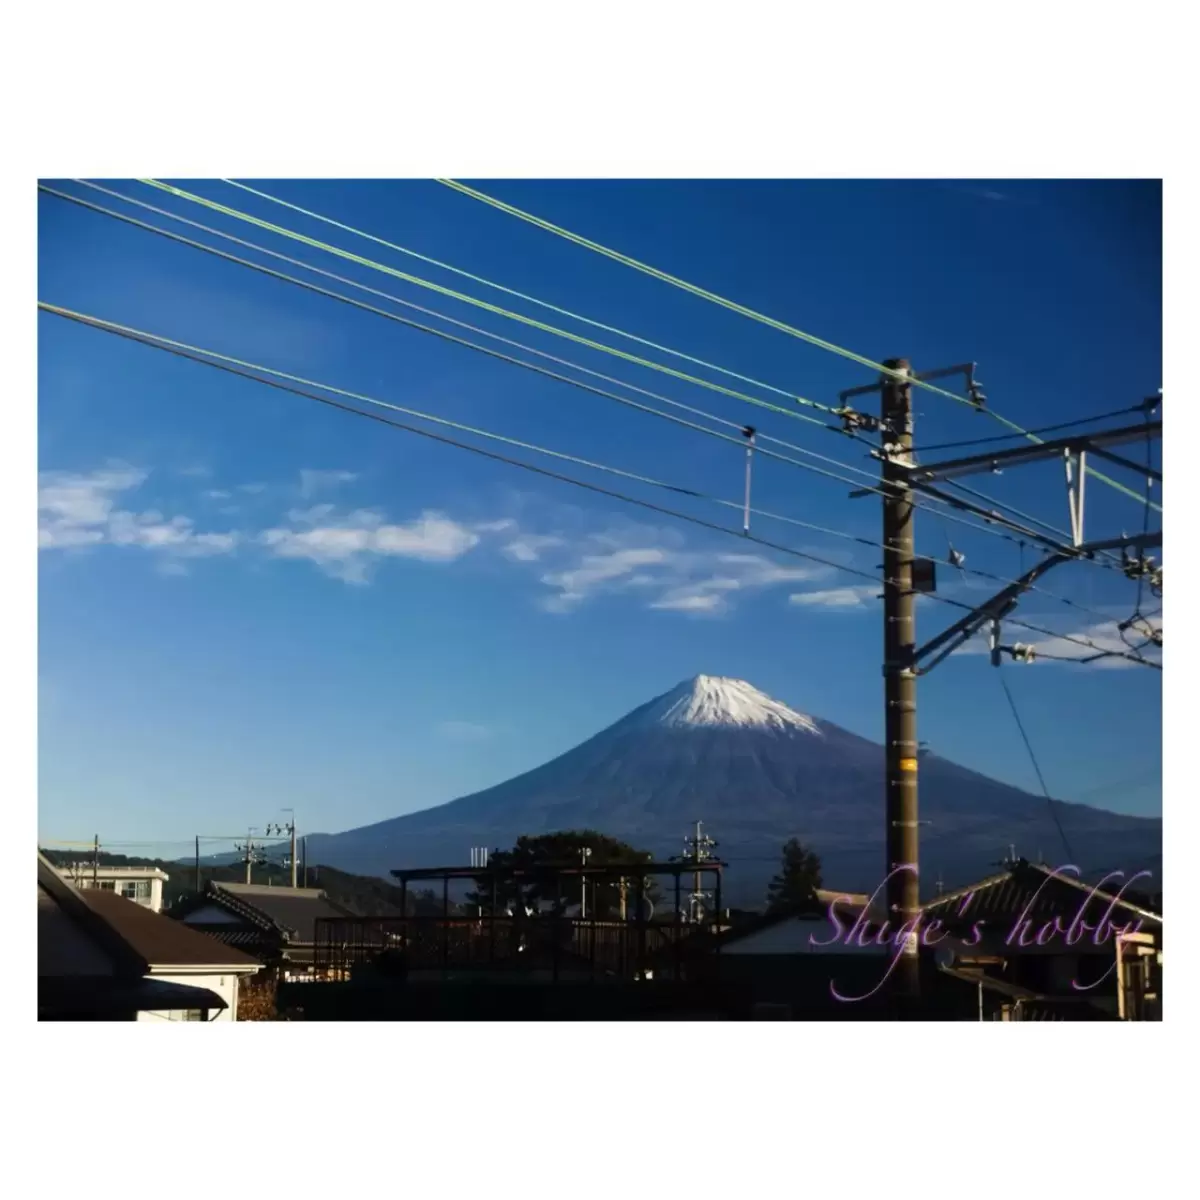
[(283, 276), (149, 338), (733, 306), (493, 308), (1033, 759), (245, 370), (565, 312), (234, 366)]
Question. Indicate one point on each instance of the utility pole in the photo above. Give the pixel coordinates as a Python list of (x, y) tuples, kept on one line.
[(584, 854), (96, 861), (900, 680), (250, 853), (197, 864), (290, 830), (905, 575), (698, 847)]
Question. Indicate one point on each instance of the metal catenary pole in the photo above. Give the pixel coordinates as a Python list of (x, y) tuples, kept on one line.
[(900, 681)]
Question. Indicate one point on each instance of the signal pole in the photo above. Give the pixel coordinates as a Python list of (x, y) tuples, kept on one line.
[(900, 680)]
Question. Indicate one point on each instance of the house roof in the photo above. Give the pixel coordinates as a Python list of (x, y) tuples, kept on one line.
[(1040, 892), (850, 904), (160, 942), (288, 914), (88, 969)]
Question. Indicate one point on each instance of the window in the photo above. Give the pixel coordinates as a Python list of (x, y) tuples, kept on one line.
[(136, 889), (107, 885), (193, 1014)]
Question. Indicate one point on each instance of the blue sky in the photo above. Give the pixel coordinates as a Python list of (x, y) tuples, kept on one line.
[(249, 601)]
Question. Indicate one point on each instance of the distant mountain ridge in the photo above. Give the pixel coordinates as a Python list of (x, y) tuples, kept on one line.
[(757, 773)]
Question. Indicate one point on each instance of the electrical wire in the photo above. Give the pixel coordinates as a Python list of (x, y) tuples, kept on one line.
[(1006, 437), (493, 308), (196, 355), (1033, 759), (565, 312), (308, 286), (178, 350), (733, 306), (202, 354), (283, 276)]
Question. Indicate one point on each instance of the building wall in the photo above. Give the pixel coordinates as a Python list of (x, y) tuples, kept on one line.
[(226, 986), (130, 882)]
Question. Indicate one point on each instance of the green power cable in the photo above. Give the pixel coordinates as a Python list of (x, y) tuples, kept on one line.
[(763, 437), (733, 306), (493, 308), (563, 312)]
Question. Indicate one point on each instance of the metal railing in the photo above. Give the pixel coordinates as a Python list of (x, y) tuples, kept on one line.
[(557, 946)]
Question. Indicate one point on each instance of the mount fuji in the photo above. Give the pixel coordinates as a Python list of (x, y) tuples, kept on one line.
[(757, 773)]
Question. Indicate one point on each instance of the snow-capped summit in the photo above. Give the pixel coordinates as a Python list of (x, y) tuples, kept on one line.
[(713, 700)]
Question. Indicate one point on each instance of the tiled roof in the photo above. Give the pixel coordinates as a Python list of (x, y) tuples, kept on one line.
[(159, 941), (1038, 892), (288, 912)]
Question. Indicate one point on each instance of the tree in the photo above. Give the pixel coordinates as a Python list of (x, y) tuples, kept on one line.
[(798, 879), (563, 849)]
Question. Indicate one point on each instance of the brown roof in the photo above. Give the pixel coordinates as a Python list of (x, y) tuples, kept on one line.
[(1037, 891), (159, 941)]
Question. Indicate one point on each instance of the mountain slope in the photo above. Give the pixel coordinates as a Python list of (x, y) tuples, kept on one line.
[(756, 772)]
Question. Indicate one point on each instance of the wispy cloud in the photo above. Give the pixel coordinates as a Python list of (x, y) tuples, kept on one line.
[(660, 567), (217, 494), (843, 599), (464, 731), (347, 547), (312, 483), (530, 547), (77, 510)]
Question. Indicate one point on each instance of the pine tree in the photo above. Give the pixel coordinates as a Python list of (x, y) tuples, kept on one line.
[(798, 879)]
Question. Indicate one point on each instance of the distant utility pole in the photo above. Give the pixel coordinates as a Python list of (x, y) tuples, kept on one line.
[(698, 848), (905, 576), (584, 854), (96, 861), (251, 853), (197, 864), (290, 829)]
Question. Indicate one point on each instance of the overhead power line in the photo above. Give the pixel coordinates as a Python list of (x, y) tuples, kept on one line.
[(493, 308), (1007, 437), (245, 370), (233, 366), (564, 312), (1037, 769), (733, 306), (149, 338), (421, 327)]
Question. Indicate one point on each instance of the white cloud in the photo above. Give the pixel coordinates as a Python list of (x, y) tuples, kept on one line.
[(217, 494), (839, 599), (344, 548), (693, 601), (657, 563), (529, 547), (313, 482), (464, 731), (80, 510)]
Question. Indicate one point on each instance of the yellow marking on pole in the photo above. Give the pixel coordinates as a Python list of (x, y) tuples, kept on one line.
[(908, 764)]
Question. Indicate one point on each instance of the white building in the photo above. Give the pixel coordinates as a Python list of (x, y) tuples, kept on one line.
[(142, 885)]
